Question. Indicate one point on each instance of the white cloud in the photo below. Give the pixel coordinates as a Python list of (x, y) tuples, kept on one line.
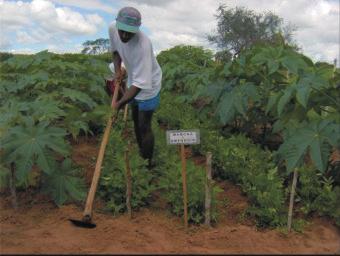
[(24, 38), (177, 22), (188, 22), (151, 2), (13, 15), (40, 21), (74, 23), (87, 5), (168, 23)]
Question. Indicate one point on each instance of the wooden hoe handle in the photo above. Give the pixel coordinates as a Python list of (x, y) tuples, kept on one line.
[(90, 197)]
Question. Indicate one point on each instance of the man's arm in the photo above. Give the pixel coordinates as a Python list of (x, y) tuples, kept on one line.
[(117, 62), (128, 95), (132, 91)]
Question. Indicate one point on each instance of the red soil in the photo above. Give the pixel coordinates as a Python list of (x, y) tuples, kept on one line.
[(40, 227)]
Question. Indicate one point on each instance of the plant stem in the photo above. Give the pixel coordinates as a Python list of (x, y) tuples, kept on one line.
[(208, 182), (291, 202)]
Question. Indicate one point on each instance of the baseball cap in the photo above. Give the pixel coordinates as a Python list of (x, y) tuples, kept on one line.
[(128, 19)]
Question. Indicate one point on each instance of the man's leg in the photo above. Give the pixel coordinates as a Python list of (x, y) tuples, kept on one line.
[(147, 137)]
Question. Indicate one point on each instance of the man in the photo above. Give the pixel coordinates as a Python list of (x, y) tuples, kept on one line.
[(132, 47)]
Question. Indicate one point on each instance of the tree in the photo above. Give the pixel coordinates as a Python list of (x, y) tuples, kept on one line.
[(98, 46), (223, 55), (239, 28)]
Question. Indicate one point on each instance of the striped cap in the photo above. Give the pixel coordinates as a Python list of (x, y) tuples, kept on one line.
[(128, 19)]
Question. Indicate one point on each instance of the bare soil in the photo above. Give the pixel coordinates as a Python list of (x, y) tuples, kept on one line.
[(39, 227)]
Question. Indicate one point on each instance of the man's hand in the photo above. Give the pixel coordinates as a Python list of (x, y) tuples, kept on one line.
[(120, 75), (116, 106), (113, 81)]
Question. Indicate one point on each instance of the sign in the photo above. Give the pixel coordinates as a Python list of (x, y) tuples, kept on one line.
[(187, 137)]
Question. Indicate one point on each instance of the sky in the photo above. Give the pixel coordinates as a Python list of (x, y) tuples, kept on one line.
[(63, 25)]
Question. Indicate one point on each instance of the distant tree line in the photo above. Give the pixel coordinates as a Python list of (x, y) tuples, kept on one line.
[(98, 46)]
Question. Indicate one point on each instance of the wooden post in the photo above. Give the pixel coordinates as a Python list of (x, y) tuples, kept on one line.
[(184, 181), (291, 202), (208, 182), (128, 183), (12, 187)]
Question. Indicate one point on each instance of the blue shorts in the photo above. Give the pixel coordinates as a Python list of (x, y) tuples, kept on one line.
[(147, 105)]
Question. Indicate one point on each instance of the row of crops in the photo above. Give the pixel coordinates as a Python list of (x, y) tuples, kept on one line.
[(268, 113), (46, 100)]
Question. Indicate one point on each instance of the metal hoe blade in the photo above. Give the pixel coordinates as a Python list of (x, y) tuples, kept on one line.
[(83, 223)]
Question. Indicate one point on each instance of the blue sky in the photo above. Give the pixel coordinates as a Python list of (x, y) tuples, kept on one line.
[(63, 25)]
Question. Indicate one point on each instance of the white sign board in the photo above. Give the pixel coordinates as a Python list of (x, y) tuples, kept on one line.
[(186, 137)]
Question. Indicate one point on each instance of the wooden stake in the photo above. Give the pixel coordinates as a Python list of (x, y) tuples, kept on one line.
[(184, 181), (291, 202), (128, 183), (208, 182)]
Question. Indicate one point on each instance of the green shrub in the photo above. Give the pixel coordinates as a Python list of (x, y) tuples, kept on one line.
[(253, 169), (170, 180), (185, 69), (235, 158), (113, 180), (317, 193), (171, 183), (265, 191)]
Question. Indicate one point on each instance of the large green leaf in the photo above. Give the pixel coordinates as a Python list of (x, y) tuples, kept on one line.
[(23, 81), (64, 183), (273, 98), (51, 110), (287, 95), (30, 143), (325, 70), (302, 94), (269, 56), (293, 62), (18, 62), (225, 109), (251, 91), (312, 80), (308, 82), (273, 66), (236, 100), (313, 138), (82, 97), (42, 56)]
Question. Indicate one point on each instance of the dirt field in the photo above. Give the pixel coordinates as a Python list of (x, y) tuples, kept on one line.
[(40, 227)]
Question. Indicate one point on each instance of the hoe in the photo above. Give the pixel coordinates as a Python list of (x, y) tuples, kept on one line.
[(86, 221)]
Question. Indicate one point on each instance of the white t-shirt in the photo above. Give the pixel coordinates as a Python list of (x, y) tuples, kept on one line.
[(142, 67)]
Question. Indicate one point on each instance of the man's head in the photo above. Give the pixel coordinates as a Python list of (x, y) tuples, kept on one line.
[(128, 22)]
